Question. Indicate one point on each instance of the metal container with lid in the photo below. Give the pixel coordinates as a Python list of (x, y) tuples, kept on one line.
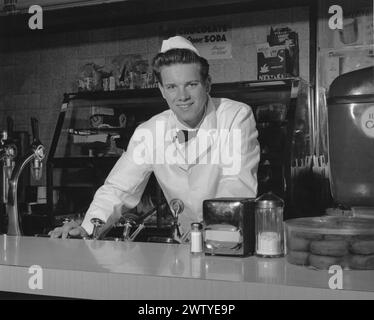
[(269, 225), (350, 107)]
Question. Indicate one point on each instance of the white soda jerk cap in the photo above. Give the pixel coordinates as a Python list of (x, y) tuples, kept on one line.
[(178, 42)]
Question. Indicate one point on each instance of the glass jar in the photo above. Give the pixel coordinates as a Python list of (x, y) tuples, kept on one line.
[(269, 226)]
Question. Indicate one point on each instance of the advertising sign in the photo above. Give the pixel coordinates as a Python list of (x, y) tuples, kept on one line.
[(213, 40)]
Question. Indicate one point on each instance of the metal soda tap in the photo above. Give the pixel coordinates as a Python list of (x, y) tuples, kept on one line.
[(177, 207), (130, 221), (98, 223), (38, 150), (8, 153), (36, 156)]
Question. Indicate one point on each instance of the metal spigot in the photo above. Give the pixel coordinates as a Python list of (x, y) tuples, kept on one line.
[(98, 223), (177, 207), (37, 153), (128, 221), (38, 150), (8, 153)]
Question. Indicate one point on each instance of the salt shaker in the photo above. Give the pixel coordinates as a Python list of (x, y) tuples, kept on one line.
[(196, 237), (269, 226)]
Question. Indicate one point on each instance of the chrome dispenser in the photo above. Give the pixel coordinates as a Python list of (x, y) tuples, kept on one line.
[(177, 207), (35, 156), (97, 223), (8, 153), (134, 224), (229, 226)]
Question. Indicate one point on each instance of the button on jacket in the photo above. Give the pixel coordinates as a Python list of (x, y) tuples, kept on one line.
[(220, 160)]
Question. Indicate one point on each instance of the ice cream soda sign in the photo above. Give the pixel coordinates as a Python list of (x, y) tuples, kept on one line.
[(212, 40)]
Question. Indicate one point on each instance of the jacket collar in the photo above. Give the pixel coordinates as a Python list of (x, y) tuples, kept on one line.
[(209, 123)]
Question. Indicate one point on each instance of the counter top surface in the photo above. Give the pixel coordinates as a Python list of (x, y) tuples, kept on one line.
[(166, 260)]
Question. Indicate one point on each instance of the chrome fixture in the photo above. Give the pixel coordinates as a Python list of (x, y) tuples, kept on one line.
[(129, 221), (133, 224), (98, 224), (177, 208), (35, 156), (8, 153)]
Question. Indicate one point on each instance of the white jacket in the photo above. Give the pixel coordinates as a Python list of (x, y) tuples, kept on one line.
[(192, 172)]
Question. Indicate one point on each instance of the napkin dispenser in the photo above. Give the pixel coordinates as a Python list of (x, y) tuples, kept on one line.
[(229, 226)]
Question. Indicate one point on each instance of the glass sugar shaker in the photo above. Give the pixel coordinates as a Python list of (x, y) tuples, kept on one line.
[(269, 226), (196, 242)]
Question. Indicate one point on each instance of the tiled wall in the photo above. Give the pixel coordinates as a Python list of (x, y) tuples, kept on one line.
[(35, 72)]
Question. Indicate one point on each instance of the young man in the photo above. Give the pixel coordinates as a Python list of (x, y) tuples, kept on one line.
[(202, 148)]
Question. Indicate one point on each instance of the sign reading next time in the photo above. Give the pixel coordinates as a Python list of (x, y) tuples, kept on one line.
[(212, 40)]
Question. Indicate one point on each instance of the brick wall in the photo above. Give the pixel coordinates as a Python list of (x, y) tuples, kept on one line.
[(36, 71)]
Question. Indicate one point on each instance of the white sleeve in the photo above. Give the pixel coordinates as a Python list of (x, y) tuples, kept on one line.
[(124, 185), (239, 179)]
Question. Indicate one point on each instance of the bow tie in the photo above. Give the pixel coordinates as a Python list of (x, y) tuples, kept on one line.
[(185, 135)]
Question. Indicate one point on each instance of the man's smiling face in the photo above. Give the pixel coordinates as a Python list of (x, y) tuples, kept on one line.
[(185, 92)]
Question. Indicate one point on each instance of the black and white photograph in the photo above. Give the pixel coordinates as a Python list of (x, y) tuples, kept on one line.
[(186, 156)]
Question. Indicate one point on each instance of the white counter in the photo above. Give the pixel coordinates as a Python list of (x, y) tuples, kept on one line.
[(118, 270)]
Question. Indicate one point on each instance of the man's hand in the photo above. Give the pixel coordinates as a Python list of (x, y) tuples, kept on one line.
[(71, 228)]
